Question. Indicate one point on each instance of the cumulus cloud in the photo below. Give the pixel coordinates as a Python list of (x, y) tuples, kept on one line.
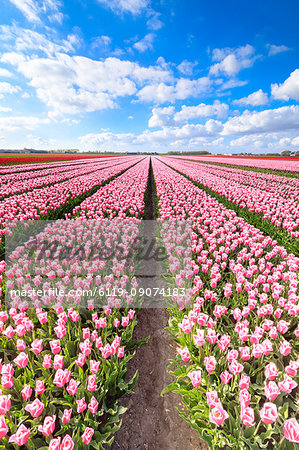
[(180, 90), (75, 84), (217, 109), (5, 73), (257, 131), (186, 67), (161, 117), (145, 43), (7, 88), (287, 90), (13, 123), (134, 7), (284, 118), (274, 49), (255, 99), (231, 61)]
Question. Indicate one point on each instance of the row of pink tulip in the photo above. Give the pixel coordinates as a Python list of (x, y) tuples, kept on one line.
[(277, 199), (41, 202), (41, 178), (38, 170), (121, 198), (238, 361), (67, 369), (289, 165)]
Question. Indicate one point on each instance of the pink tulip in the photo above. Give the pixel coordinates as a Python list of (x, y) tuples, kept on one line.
[(291, 430), (3, 427), (218, 414), (247, 416), (21, 436), (87, 435), (93, 405), (212, 399), (81, 405), (67, 413), (271, 390), (26, 392), (21, 360), (67, 443), (55, 444), (195, 377), (5, 404), (48, 426), (269, 413)]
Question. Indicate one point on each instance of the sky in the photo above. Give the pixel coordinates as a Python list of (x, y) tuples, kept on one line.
[(142, 75)]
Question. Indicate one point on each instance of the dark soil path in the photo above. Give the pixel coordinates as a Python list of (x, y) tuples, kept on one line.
[(151, 421)]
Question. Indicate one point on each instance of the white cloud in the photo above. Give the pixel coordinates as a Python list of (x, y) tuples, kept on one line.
[(255, 99), (22, 40), (180, 90), (284, 118), (274, 49), (229, 84), (134, 7), (145, 43), (32, 9), (8, 88), (157, 93), (270, 130), (231, 61), (70, 85), (5, 109), (5, 73), (154, 23), (14, 123), (186, 67), (295, 141), (101, 42), (166, 117), (161, 117), (39, 143), (29, 8), (57, 17), (287, 90), (217, 109)]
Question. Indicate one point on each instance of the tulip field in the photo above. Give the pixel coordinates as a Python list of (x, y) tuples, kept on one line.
[(232, 301)]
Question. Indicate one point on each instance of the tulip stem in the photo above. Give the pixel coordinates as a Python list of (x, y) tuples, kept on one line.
[(281, 442), (257, 428)]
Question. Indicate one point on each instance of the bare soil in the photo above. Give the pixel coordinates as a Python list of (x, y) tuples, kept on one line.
[(151, 421)]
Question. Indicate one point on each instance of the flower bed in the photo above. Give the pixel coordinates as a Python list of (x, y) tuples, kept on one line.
[(275, 198), (62, 372), (237, 362)]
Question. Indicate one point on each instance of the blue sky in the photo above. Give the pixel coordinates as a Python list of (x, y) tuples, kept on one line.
[(150, 75)]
